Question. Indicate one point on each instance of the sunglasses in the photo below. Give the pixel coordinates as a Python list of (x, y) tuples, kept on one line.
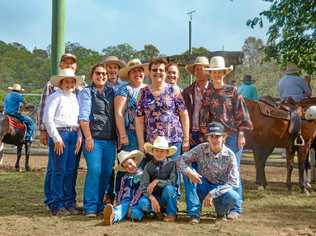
[(100, 73), (156, 70)]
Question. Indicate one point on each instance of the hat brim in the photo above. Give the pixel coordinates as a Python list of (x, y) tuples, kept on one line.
[(11, 88), (190, 67), (294, 71), (215, 133), (123, 73), (137, 155), (70, 57), (120, 63), (149, 149), (55, 80)]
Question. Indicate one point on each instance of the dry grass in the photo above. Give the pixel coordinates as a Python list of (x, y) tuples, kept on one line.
[(272, 212)]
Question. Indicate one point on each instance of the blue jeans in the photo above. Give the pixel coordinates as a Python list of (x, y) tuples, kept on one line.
[(232, 144), (121, 211), (62, 192), (224, 203), (29, 125), (100, 162), (132, 145), (167, 200)]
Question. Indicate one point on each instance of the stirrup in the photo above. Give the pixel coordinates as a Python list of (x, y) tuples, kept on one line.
[(299, 141)]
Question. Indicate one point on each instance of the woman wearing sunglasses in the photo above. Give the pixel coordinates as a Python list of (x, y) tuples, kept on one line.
[(97, 122)]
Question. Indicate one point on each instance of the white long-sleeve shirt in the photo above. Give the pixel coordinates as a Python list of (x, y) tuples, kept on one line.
[(61, 110)]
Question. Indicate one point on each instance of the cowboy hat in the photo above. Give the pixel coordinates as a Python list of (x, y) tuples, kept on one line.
[(292, 68), (201, 60), (68, 55), (134, 63), (113, 60), (160, 143), (65, 73), (124, 156), (16, 87), (218, 63)]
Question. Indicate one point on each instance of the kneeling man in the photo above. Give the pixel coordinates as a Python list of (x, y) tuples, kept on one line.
[(217, 173)]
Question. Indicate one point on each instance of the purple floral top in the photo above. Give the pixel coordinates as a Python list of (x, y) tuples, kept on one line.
[(161, 113)]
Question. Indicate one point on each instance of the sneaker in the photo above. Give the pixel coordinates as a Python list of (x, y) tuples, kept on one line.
[(108, 215), (169, 219), (194, 220), (233, 215), (91, 215), (221, 218), (62, 212), (73, 211)]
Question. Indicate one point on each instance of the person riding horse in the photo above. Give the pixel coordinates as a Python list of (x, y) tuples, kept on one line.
[(12, 103)]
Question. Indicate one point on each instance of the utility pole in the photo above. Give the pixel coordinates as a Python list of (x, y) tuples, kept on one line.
[(190, 13), (58, 32)]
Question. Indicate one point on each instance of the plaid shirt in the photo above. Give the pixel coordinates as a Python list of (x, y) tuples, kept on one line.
[(225, 106)]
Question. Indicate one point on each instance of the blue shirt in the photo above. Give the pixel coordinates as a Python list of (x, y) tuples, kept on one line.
[(12, 103), (293, 86), (248, 91)]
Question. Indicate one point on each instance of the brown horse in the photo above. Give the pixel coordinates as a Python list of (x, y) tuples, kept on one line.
[(271, 132)]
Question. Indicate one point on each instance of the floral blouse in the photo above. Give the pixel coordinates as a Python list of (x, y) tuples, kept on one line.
[(226, 106), (130, 111), (161, 113)]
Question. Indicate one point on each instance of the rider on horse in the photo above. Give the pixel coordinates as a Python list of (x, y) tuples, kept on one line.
[(12, 103)]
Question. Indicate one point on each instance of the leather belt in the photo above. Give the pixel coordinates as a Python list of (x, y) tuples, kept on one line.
[(68, 129)]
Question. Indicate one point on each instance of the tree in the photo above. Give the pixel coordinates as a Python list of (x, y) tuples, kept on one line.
[(149, 52), (123, 51), (292, 32), (252, 51)]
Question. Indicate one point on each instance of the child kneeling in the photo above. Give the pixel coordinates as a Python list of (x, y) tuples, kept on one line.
[(158, 184), (129, 193)]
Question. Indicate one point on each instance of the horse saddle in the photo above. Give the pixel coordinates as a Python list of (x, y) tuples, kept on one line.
[(16, 124)]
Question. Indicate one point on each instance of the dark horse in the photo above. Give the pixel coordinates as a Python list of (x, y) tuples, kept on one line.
[(271, 132), (15, 136)]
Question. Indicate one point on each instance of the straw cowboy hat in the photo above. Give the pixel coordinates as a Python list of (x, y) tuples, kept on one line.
[(198, 61), (16, 87), (113, 60), (124, 156), (218, 63), (134, 63), (160, 143), (68, 55), (65, 73), (292, 68)]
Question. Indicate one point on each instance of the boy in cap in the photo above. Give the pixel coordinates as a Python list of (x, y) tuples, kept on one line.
[(128, 194), (158, 184), (217, 174)]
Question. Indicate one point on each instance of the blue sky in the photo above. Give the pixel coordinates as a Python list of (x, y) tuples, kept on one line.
[(97, 24)]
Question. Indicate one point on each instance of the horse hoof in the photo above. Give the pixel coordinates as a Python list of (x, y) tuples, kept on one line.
[(260, 188), (306, 192), (27, 168), (21, 170)]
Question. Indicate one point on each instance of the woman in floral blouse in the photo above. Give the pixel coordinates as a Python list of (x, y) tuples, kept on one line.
[(222, 103), (161, 111)]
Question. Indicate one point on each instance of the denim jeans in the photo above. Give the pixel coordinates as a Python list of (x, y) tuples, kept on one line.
[(121, 211), (29, 125), (232, 144), (100, 162), (167, 200), (62, 192), (224, 203), (132, 145)]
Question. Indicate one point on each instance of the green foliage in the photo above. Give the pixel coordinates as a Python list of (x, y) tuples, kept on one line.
[(123, 51), (292, 32)]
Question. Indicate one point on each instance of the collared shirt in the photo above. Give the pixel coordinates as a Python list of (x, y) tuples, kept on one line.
[(224, 105), (220, 168), (198, 96), (12, 103), (117, 85), (164, 171), (248, 91), (61, 110), (293, 86)]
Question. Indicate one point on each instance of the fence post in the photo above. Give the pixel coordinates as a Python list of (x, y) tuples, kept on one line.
[(313, 164)]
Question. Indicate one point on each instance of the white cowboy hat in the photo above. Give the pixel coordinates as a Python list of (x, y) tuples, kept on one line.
[(16, 87), (65, 73), (68, 55), (124, 156), (134, 63), (218, 63), (201, 60), (113, 60), (160, 143), (292, 68)]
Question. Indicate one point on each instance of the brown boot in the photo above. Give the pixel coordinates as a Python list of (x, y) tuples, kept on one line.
[(169, 219), (108, 214)]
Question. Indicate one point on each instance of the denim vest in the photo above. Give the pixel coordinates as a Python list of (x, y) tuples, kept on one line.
[(102, 124)]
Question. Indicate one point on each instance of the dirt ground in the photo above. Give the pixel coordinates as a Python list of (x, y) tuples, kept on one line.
[(269, 212)]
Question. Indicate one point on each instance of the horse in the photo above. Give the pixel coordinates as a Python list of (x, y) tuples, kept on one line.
[(15, 136), (271, 131)]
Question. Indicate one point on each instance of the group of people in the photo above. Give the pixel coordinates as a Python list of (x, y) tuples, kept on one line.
[(141, 139)]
